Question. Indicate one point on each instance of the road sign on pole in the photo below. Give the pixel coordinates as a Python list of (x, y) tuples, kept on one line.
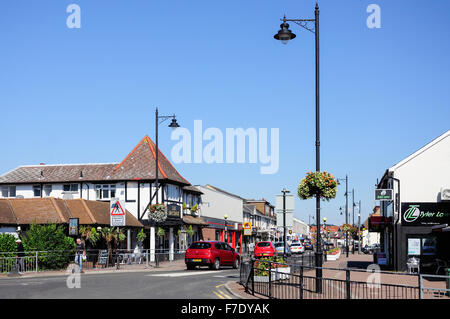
[(247, 229), (117, 212)]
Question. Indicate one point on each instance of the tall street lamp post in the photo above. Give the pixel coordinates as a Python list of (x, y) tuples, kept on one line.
[(284, 35), (346, 211), (158, 120), (226, 234)]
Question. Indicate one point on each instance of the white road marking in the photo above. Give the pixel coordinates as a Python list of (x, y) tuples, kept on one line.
[(182, 274)]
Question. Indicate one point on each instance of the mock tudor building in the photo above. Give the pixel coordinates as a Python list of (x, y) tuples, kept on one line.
[(131, 180)]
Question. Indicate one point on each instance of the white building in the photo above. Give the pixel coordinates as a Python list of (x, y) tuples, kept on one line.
[(131, 180), (417, 218)]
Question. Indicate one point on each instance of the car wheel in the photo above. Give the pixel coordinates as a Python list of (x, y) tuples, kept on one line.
[(190, 267), (216, 265), (236, 263)]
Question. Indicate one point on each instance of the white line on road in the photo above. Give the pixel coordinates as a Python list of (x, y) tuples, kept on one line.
[(182, 274)]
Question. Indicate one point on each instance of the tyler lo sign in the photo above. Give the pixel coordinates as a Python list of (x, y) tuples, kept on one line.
[(425, 214)]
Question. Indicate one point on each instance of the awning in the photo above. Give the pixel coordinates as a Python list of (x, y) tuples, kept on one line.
[(191, 220), (441, 228)]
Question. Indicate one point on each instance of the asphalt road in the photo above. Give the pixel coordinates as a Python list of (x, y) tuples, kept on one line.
[(193, 284)]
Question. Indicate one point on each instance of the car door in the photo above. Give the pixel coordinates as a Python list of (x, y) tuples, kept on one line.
[(228, 254)]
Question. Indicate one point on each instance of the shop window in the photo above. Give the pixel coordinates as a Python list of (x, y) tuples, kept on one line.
[(429, 246)]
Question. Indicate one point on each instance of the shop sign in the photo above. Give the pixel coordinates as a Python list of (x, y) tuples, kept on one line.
[(425, 214), (384, 194), (174, 211)]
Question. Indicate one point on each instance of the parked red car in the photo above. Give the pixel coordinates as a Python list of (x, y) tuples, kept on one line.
[(211, 253), (264, 249)]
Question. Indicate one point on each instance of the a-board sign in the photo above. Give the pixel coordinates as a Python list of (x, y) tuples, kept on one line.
[(103, 257)]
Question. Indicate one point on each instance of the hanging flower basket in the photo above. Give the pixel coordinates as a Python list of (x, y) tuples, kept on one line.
[(320, 184), (194, 209), (157, 213)]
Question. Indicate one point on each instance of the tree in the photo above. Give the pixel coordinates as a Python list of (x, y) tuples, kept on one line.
[(55, 248)]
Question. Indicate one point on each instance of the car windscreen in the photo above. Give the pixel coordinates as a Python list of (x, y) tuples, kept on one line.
[(279, 244), (263, 245), (200, 246), (296, 245)]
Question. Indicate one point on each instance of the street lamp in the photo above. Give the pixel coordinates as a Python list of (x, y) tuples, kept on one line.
[(173, 125), (346, 209), (284, 35), (226, 235)]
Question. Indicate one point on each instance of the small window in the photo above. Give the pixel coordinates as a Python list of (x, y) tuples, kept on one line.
[(70, 187), (37, 191), (47, 190), (8, 191), (105, 191)]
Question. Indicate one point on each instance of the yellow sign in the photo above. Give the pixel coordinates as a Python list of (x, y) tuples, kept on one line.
[(247, 229)]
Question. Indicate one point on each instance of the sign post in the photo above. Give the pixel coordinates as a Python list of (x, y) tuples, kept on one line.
[(117, 219), (285, 204)]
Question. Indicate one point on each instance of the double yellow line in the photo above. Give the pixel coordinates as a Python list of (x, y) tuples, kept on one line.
[(219, 293)]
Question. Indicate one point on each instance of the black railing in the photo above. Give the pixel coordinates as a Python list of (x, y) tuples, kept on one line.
[(298, 281)]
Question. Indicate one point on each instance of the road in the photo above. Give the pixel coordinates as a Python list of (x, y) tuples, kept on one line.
[(181, 284)]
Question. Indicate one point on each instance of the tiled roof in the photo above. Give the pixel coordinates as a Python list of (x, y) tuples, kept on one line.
[(192, 189), (139, 164), (14, 211)]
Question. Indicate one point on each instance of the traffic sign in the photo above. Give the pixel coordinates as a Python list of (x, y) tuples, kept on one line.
[(117, 212), (247, 229)]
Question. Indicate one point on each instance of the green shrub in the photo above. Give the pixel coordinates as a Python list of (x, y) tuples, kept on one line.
[(7, 244), (56, 249)]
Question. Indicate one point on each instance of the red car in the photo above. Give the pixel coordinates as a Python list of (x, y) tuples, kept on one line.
[(264, 249), (211, 253)]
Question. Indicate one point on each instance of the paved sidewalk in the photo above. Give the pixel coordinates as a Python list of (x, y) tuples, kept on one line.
[(163, 266)]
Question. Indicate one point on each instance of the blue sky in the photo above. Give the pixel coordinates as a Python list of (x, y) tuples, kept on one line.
[(88, 95)]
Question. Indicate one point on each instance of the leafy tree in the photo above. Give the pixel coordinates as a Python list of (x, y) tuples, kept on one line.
[(7, 244), (55, 248)]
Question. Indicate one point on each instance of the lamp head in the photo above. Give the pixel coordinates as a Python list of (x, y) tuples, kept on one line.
[(284, 34)]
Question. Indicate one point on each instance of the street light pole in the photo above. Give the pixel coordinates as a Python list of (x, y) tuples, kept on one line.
[(284, 35), (284, 191), (173, 124)]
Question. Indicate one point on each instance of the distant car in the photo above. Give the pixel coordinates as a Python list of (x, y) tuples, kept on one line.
[(297, 248), (211, 253), (307, 244), (279, 248), (264, 249)]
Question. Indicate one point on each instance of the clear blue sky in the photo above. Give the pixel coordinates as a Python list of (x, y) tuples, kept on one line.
[(88, 95)]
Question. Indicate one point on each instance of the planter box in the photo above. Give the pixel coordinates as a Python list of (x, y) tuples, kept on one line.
[(334, 257), (277, 274)]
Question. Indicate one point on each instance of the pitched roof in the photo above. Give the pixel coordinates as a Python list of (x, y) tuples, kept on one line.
[(23, 211), (139, 164)]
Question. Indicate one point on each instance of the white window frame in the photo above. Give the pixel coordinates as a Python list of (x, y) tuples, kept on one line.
[(100, 190)]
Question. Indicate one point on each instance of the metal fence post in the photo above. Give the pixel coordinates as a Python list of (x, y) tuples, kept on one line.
[(253, 277), (347, 284), (301, 282), (147, 256), (270, 280), (37, 253), (420, 286)]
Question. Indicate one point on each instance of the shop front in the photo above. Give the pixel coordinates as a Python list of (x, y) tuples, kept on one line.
[(424, 235)]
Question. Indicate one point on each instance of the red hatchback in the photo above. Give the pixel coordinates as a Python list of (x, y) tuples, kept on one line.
[(264, 249), (211, 253)]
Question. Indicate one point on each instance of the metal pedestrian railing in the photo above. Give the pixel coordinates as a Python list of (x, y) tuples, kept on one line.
[(283, 281), (441, 291), (35, 261)]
